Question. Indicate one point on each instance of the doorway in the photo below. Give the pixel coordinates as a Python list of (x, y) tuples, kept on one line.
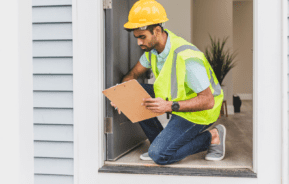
[(236, 14)]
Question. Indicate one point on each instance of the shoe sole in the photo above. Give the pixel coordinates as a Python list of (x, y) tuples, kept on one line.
[(224, 140), (145, 158)]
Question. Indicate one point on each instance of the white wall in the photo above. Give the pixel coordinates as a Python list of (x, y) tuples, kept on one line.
[(26, 90), (214, 18), (9, 78), (16, 133), (179, 15), (243, 43)]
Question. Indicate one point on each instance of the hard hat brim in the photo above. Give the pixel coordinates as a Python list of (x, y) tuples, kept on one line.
[(130, 25)]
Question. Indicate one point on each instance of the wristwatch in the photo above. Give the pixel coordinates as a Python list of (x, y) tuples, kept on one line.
[(175, 106)]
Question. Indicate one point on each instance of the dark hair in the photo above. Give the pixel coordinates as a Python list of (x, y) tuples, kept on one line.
[(150, 28)]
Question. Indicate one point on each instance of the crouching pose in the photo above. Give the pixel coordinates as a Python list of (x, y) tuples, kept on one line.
[(185, 86)]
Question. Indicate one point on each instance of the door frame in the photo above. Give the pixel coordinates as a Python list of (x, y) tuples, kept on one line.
[(284, 93), (16, 95), (88, 65)]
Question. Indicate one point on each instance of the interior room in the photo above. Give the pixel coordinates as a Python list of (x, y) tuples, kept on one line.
[(195, 20)]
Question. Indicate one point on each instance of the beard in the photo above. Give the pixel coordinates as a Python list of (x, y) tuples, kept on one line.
[(151, 44), (147, 49)]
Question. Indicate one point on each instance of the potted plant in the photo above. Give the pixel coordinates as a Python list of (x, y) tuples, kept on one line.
[(220, 60)]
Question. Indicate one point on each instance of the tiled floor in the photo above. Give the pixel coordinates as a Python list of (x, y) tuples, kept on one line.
[(239, 144)]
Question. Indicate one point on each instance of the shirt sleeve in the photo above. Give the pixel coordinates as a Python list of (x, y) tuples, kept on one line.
[(144, 61), (196, 75)]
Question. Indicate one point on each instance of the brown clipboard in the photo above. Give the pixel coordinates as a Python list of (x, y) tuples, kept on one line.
[(128, 97)]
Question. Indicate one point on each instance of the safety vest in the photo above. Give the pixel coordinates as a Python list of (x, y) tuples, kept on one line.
[(170, 82)]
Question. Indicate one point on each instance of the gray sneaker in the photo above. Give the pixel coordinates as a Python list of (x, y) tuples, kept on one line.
[(145, 156), (217, 151)]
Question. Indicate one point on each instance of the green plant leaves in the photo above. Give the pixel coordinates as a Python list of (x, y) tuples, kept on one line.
[(220, 60)]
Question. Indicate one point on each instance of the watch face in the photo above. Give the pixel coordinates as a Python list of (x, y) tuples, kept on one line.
[(175, 106)]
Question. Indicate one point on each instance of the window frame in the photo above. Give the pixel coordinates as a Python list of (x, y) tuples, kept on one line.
[(89, 116)]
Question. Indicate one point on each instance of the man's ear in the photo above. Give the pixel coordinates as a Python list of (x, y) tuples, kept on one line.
[(157, 31)]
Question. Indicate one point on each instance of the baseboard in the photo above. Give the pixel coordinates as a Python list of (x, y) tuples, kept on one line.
[(245, 96), (230, 109)]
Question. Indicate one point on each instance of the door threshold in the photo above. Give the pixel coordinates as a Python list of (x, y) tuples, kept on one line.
[(162, 170), (176, 165)]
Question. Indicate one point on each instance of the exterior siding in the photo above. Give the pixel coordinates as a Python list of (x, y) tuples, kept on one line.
[(52, 66), (53, 179), (52, 91), (53, 116)]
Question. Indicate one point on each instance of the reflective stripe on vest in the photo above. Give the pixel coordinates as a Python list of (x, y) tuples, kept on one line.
[(174, 85), (217, 88)]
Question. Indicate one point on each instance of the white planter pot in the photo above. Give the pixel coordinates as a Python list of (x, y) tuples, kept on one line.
[(224, 88)]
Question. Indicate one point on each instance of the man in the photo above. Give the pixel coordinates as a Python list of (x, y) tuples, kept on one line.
[(185, 86)]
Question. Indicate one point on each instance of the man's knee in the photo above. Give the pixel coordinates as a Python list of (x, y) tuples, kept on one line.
[(149, 89), (158, 156)]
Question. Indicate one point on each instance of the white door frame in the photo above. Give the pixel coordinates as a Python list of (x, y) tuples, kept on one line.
[(16, 94), (285, 112), (270, 121)]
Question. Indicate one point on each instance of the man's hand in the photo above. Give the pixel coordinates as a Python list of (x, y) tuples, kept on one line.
[(157, 105), (112, 104)]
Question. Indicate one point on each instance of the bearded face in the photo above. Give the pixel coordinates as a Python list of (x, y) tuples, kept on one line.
[(145, 39)]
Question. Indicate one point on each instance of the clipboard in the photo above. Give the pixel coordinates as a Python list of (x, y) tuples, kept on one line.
[(128, 97)]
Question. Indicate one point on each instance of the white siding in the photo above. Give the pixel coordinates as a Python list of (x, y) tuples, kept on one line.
[(52, 31), (52, 65), (51, 2), (52, 48), (53, 116), (53, 166), (52, 82), (52, 99), (53, 132), (53, 149), (52, 179), (53, 91), (51, 14)]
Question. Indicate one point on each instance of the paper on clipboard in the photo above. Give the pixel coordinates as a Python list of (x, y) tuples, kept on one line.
[(128, 97)]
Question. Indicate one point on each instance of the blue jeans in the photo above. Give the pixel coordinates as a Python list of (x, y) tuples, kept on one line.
[(178, 140)]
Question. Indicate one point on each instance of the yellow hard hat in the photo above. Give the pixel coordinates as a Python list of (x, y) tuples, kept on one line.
[(144, 13)]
